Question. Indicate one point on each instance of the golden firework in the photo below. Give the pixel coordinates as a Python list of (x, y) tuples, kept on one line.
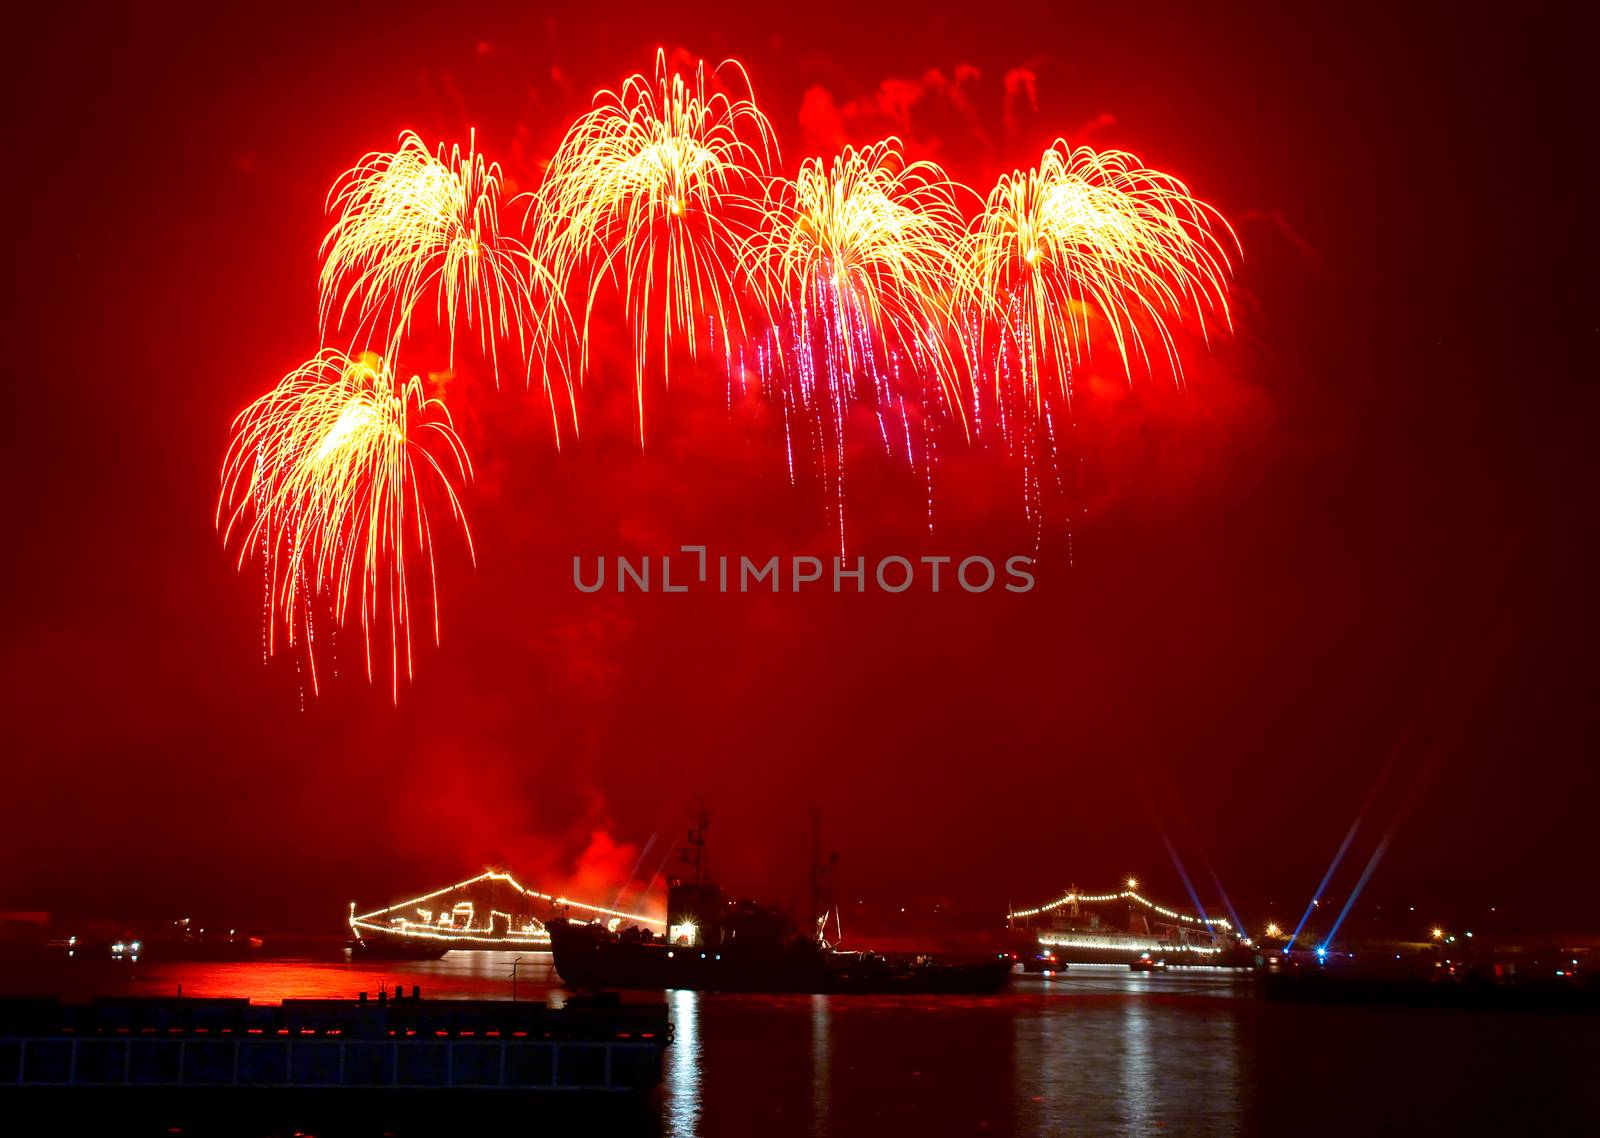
[(410, 223), (324, 480), (866, 247), (1093, 235), (657, 188)]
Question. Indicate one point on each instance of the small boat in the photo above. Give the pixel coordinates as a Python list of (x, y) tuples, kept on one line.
[(917, 975), (395, 948), (1147, 963), (1043, 961)]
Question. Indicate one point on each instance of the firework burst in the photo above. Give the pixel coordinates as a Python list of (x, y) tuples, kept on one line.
[(657, 189), (856, 263), (855, 292), (324, 481), (1090, 238), (864, 253), (410, 223)]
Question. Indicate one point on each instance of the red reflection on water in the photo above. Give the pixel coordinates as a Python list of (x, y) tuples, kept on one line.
[(458, 975)]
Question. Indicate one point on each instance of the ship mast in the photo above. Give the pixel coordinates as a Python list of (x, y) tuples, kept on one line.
[(819, 872), (695, 852)]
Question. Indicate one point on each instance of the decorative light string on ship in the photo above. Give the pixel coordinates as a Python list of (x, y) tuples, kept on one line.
[(417, 919), (867, 288), (1218, 929), (1075, 898)]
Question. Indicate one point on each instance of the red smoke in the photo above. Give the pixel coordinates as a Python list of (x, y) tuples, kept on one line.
[(932, 115)]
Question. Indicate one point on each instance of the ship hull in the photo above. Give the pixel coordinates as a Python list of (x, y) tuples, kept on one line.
[(1127, 956), (1113, 948), (589, 957)]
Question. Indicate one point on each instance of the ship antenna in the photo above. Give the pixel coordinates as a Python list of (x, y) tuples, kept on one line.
[(819, 870), (816, 871), (695, 852)]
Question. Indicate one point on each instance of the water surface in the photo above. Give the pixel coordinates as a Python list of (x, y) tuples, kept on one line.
[(1099, 1051)]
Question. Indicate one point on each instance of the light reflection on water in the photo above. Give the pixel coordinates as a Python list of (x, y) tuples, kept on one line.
[(821, 1062), (1104, 1054), (1112, 1053), (1093, 1052), (457, 975), (681, 1077)]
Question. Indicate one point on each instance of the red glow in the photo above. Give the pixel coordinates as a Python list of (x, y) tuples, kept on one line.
[(1361, 522)]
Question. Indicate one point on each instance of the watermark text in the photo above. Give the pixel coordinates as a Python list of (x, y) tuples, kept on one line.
[(695, 568)]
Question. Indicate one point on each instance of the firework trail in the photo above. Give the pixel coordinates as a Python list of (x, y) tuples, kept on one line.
[(323, 480), (411, 222), (870, 296), (855, 264), (1087, 245), (657, 189), (1088, 235)]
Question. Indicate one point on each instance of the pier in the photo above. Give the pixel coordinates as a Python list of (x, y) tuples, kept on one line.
[(172, 1057)]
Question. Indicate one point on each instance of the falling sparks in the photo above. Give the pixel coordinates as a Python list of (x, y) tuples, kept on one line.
[(1085, 247), (860, 256), (856, 261), (1089, 237), (859, 291), (412, 223), (656, 190), (324, 480)]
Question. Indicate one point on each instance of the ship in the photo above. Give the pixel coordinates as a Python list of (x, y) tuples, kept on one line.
[(492, 911), (712, 943), (1127, 928)]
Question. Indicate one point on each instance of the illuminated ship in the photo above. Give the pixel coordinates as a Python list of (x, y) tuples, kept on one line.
[(713, 944), (1125, 928), (490, 911)]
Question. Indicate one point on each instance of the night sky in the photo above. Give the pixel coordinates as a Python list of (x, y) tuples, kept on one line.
[(1359, 540)]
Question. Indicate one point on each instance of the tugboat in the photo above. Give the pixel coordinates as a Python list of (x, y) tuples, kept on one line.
[(713, 944), (1041, 960)]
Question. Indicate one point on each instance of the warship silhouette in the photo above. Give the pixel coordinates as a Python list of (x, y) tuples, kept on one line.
[(721, 945)]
